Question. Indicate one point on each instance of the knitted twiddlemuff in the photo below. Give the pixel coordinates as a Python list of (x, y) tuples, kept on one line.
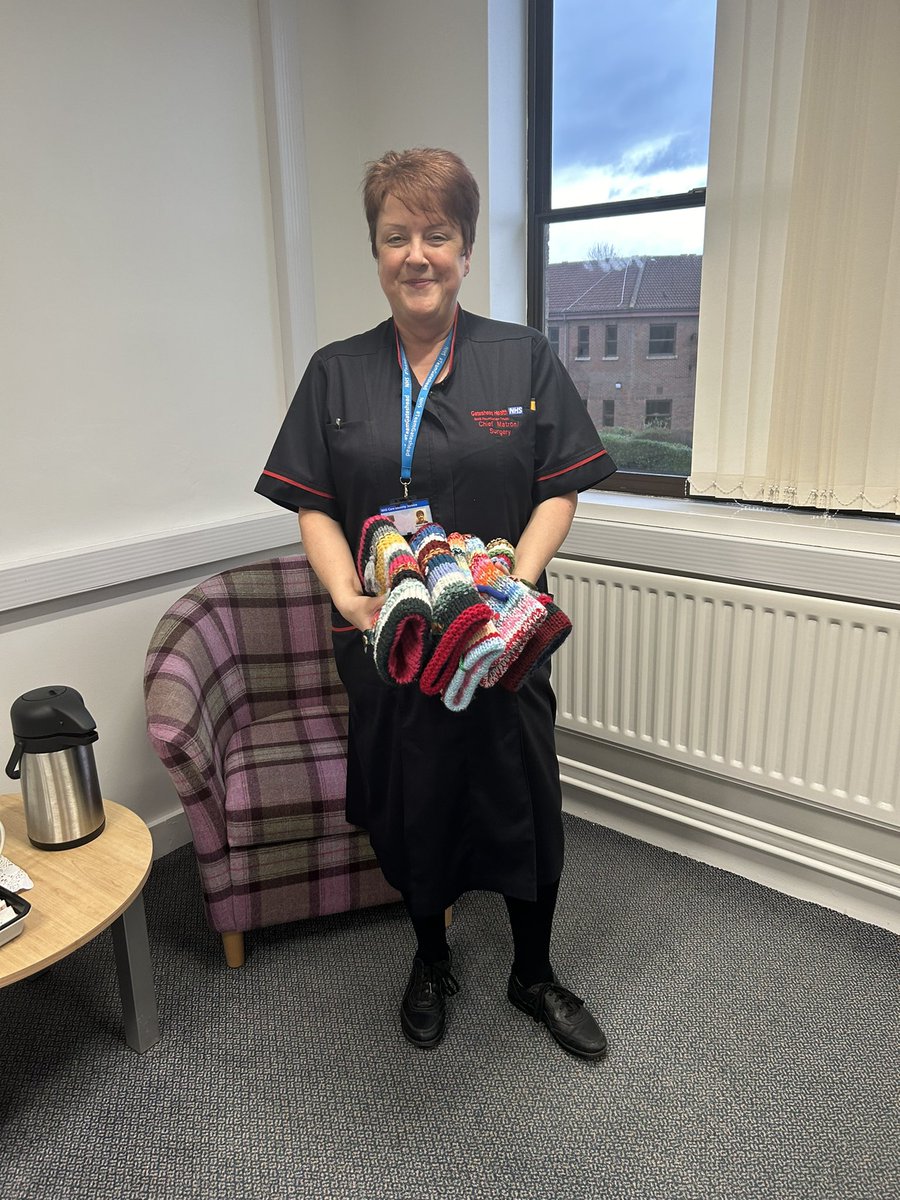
[(547, 640), (385, 552), (461, 618), (400, 635), (479, 653), (517, 614), (550, 634)]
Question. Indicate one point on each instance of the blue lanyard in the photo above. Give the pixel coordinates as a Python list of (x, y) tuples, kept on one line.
[(412, 418)]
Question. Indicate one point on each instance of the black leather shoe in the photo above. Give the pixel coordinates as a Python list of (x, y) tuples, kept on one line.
[(423, 1013), (564, 1014)]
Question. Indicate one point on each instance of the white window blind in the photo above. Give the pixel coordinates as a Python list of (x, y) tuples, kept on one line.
[(798, 374)]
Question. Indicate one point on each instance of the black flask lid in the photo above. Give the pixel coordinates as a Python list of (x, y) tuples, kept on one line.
[(51, 712), (46, 720)]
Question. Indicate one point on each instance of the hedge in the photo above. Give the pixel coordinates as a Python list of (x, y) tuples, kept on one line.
[(631, 451)]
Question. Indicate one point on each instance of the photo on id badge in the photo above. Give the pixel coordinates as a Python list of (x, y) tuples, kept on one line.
[(408, 515)]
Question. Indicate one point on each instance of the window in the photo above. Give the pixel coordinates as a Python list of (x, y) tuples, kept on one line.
[(553, 337), (584, 342), (662, 340), (609, 413), (658, 414), (616, 198)]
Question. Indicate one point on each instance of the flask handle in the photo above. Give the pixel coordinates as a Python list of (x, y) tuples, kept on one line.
[(12, 767)]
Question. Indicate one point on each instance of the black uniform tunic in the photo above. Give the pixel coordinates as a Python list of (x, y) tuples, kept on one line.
[(451, 801)]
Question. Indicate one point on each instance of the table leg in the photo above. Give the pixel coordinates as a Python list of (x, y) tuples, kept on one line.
[(135, 971)]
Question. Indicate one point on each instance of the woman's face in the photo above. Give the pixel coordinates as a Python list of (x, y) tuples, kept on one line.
[(421, 265)]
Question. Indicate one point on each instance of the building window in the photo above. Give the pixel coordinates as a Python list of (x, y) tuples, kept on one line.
[(662, 340), (658, 414), (584, 342), (609, 413), (553, 337), (615, 227)]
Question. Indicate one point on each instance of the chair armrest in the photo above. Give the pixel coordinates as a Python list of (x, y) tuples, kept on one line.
[(192, 767)]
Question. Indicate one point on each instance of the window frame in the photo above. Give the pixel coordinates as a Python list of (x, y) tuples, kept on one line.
[(666, 415), (673, 325), (541, 213)]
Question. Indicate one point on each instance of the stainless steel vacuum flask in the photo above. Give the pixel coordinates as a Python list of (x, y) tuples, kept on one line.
[(54, 757)]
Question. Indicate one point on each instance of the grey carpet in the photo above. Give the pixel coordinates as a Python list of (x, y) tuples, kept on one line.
[(754, 1053)]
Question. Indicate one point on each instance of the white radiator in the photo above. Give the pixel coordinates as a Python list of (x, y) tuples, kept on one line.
[(797, 694)]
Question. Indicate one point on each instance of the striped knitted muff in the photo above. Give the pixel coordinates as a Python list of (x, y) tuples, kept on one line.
[(480, 651), (550, 634), (462, 620), (517, 613), (400, 634)]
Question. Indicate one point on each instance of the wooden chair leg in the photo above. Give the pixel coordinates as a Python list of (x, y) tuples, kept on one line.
[(448, 917), (234, 948)]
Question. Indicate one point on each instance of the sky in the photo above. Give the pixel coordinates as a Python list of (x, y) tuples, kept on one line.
[(631, 94)]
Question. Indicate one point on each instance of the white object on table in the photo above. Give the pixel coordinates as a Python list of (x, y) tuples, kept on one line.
[(13, 878)]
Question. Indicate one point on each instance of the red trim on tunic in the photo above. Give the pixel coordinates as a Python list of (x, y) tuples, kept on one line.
[(553, 474), (294, 483), (342, 628)]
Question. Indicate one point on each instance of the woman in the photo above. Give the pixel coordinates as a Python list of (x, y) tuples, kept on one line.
[(452, 801)]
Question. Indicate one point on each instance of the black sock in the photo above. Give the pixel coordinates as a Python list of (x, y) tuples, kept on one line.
[(431, 937), (532, 925)]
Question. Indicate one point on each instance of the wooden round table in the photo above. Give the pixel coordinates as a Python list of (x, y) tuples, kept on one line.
[(77, 894)]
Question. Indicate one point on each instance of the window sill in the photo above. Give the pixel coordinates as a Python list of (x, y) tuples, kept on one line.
[(854, 558), (610, 358), (662, 356), (581, 358)]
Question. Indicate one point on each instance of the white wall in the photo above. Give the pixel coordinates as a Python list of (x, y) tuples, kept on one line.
[(392, 75), (140, 368)]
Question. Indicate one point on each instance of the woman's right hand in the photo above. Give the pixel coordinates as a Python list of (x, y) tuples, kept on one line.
[(361, 611)]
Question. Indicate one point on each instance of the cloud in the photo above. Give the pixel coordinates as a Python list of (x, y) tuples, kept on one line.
[(630, 75), (677, 232), (640, 173)]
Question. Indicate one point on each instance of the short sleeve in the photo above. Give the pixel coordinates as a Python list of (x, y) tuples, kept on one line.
[(569, 455), (298, 472)]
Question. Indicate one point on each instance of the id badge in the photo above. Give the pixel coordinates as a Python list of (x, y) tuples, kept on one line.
[(408, 515)]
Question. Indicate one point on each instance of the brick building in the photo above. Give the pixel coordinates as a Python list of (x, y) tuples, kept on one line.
[(626, 330)]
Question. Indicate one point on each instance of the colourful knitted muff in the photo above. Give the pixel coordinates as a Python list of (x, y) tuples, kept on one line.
[(400, 634), (480, 652), (550, 634), (545, 642), (517, 613), (461, 620)]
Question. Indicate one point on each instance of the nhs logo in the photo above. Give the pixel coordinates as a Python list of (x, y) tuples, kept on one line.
[(515, 411)]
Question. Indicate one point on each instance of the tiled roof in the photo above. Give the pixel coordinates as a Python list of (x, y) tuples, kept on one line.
[(663, 282)]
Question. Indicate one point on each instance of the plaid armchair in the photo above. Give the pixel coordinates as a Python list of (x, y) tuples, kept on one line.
[(246, 711)]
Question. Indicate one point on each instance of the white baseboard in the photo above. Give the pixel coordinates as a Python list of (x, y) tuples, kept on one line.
[(169, 831), (811, 869)]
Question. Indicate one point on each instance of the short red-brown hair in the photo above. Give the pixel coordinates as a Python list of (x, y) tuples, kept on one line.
[(432, 182)]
